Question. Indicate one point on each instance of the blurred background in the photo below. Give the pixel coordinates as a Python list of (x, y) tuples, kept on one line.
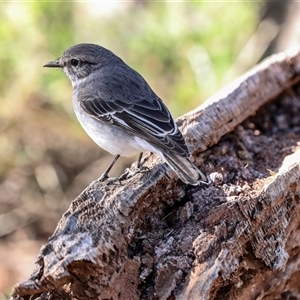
[(185, 50)]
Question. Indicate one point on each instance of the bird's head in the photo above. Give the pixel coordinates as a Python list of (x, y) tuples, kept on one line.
[(81, 60)]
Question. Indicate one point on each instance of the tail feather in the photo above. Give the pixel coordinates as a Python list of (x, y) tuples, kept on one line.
[(185, 169)]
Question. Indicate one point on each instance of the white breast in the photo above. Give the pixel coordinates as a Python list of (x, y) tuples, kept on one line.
[(110, 137)]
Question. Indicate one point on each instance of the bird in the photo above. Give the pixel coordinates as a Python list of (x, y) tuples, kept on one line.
[(122, 114)]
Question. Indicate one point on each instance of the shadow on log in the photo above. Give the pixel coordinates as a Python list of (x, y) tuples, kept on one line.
[(153, 237)]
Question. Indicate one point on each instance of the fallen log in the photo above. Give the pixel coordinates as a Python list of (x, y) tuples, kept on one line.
[(153, 237)]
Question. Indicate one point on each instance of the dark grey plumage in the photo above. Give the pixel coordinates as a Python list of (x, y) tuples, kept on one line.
[(119, 110)]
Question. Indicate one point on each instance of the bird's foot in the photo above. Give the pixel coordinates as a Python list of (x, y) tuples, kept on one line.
[(130, 173), (142, 169), (107, 179)]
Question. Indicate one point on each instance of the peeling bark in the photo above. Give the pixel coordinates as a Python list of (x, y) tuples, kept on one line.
[(153, 237)]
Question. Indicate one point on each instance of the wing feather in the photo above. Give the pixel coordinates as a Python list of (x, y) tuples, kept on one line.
[(134, 107)]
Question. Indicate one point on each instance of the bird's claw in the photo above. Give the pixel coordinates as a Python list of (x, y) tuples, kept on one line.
[(142, 169), (108, 179), (130, 173)]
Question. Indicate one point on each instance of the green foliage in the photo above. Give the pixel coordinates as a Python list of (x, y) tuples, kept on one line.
[(183, 49)]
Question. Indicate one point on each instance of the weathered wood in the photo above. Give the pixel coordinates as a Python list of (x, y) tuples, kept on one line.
[(152, 237)]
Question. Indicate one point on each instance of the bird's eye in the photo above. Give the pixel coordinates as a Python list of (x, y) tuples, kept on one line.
[(74, 62)]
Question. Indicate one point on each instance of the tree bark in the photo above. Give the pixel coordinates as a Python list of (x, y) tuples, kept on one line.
[(153, 237)]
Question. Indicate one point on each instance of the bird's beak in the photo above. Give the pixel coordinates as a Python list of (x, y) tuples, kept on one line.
[(53, 64)]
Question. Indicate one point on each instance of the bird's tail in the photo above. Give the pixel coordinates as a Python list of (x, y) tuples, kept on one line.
[(185, 169)]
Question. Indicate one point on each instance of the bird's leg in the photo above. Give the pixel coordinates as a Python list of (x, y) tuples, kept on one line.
[(105, 174), (138, 169), (139, 163)]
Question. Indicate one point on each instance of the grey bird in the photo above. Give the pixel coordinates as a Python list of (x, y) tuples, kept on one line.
[(120, 112)]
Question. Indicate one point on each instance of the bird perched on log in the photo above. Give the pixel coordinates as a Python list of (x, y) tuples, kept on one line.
[(120, 112)]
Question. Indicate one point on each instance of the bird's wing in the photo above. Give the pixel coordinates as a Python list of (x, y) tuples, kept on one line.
[(147, 119)]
